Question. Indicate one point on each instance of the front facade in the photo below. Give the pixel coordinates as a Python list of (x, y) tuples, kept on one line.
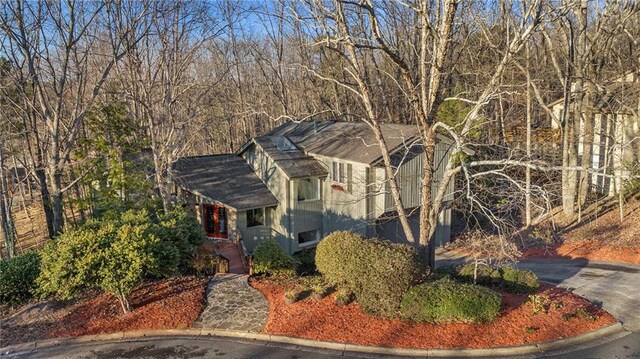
[(303, 181)]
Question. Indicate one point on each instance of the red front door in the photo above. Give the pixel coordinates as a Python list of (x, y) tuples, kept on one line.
[(215, 220)]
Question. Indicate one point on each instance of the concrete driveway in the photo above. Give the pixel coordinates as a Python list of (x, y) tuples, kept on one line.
[(616, 287)]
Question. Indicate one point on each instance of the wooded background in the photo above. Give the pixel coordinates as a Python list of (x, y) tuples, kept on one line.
[(99, 98)]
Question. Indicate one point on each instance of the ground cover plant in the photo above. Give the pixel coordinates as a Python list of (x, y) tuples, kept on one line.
[(508, 278), (446, 300), (18, 279)]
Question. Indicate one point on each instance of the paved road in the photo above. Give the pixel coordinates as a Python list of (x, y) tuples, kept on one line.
[(615, 287)]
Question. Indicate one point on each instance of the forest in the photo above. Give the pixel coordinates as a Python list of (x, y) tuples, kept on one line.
[(100, 98)]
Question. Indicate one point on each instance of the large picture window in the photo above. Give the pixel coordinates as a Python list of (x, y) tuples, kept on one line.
[(308, 189), (255, 217)]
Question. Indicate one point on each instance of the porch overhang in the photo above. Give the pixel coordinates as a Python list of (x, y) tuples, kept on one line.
[(225, 179)]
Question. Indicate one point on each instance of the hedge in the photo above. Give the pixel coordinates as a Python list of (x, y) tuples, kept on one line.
[(270, 258), (377, 271), (510, 279), (445, 300), (18, 278), (519, 280)]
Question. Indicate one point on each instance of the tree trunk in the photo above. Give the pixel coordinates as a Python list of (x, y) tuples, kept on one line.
[(124, 302), (45, 198), (528, 170), (584, 107), (5, 211), (57, 207), (568, 144), (427, 222)]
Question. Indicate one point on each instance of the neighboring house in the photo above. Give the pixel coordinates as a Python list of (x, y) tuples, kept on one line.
[(305, 180), (616, 142)]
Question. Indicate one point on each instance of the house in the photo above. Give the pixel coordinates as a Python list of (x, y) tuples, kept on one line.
[(616, 139), (305, 180)]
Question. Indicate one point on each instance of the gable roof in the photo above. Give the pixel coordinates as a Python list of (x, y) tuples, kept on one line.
[(350, 141), (226, 179), (293, 161), (619, 95)]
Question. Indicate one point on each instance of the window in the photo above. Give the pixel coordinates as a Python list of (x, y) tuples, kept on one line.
[(308, 189), (255, 217), (308, 237), (339, 175), (283, 143)]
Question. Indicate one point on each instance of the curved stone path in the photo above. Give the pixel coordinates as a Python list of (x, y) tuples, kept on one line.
[(233, 305)]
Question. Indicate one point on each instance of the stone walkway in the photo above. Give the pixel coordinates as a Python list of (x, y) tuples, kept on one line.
[(233, 305)]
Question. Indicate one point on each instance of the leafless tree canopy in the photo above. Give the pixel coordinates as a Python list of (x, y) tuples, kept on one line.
[(200, 77)]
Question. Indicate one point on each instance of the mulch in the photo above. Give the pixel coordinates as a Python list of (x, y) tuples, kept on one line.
[(173, 303), (516, 325), (586, 249), (603, 239)]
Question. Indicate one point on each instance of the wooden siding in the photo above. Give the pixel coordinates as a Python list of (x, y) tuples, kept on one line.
[(277, 182), (345, 209), (410, 178)]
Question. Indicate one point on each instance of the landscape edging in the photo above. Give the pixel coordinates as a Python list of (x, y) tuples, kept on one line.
[(609, 330)]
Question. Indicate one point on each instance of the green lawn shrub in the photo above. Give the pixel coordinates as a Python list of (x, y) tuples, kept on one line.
[(269, 258), (510, 279), (305, 262), (445, 300), (378, 271), (112, 255), (484, 275), (519, 280), (18, 278), (181, 235)]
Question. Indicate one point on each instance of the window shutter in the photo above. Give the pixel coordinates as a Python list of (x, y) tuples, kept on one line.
[(349, 177)]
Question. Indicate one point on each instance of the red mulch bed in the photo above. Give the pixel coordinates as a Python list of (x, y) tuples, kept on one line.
[(591, 250), (324, 320), (605, 239), (166, 304)]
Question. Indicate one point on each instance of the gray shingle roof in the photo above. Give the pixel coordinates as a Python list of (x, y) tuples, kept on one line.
[(294, 162), (351, 141), (227, 179)]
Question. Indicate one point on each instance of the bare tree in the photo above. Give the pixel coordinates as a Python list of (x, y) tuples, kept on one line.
[(65, 51), (159, 79)]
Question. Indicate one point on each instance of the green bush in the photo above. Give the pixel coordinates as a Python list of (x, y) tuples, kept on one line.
[(519, 280), (112, 255), (271, 259), (377, 271), (305, 262), (446, 300), (182, 232), (485, 275), (510, 279), (18, 278)]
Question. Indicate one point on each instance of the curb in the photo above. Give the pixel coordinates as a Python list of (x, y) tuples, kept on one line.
[(538, 348)]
